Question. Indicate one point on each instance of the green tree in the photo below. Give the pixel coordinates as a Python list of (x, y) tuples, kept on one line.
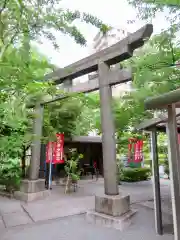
[(21, 67), (62, 116), (16, 87), (152, 74), (147, 9), (17, 91), (89, 119), (22, 21)]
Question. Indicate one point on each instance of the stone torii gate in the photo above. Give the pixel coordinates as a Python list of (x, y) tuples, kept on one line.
[(101, 62)]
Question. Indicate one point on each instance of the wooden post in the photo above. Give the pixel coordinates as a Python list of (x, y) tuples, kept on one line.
[(174, 167), (156, 183)]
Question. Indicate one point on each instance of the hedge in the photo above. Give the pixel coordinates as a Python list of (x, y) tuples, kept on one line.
[(149, 162), (135, 174), (10, 174)]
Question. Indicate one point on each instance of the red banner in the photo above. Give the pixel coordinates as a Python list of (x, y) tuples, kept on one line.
[(50, 151), (130, 149), (138, 150), (59, 149), (135, 149), (55, 150)]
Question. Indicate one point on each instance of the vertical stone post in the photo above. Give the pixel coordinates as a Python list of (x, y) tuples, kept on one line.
[(111, 204), (108, 132), (36, 142), (156, 183), (174, 167), (34, 188)]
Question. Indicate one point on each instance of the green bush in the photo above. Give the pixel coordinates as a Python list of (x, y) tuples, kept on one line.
[(149, 162), (161, 161), (135, 174), (10, 173), (120, 166), (71, 166), (135, 165)]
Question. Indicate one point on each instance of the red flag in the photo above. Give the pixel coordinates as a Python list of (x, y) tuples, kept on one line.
[(55, 150), (138, 151), (50, 152), (141, 150), (59, 149)]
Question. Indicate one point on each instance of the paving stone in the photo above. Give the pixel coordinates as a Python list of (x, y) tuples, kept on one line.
[(77, 228), (16, 219), (9, 206), (2, 226), (62, 208)]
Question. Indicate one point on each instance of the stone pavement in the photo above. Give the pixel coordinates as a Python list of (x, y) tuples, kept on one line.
[(12, 214), (77, 228), (20, 220)]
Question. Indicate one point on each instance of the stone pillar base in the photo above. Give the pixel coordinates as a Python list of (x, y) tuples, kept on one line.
[(112, 205), (111, 211), (120, 223), (31, 190)]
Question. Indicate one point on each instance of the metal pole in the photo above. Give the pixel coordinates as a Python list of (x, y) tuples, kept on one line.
[(108, 132), (36, 142), (156, 183), (50, 167), (174, 167)]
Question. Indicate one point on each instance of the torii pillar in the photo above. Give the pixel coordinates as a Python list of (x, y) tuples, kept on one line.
[(110, 203), (33, 188)]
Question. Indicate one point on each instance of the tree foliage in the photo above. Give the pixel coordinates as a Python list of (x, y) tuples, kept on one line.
[(153, 74), (62, 117), (22, 21), (89, 120), (22, 68), (18, 84), (147, 9)]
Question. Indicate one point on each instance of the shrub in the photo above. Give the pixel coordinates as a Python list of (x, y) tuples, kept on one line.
[(72, 166), (135, 174), (147, 162), (10, 173), (135, 165), (121, 168)]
